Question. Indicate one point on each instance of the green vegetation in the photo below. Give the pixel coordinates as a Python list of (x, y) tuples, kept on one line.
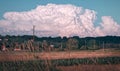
[(54, 44), (86, 61), (58, 43), (50, 65), (26, 66)]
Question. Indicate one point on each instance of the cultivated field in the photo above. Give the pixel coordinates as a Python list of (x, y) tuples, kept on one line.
[(90, 68), (23, 56), (84, 60)]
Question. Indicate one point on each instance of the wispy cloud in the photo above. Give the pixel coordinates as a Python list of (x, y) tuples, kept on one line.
[(58, 20)]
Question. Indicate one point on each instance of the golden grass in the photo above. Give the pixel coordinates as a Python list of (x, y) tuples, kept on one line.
[(22, 56), (25, 56)]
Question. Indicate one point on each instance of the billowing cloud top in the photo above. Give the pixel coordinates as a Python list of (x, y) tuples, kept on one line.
[(58, 20)]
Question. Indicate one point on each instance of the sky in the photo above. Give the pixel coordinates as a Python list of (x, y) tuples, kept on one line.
[(60, 17)]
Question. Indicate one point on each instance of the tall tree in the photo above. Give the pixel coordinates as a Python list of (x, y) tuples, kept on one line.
[(92, 44), (72, 44)]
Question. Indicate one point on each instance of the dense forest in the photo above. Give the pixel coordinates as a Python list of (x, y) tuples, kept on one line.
[(34, 43)]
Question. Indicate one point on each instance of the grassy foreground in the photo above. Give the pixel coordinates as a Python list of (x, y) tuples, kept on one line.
[(60, 61), (82, 64), (25, 56), (90, 68)]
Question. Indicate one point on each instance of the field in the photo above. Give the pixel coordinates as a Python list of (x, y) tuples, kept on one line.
[(98, 60), (90, 68), (22, 55)]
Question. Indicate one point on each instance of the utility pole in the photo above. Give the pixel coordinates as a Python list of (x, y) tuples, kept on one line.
[(33, 47), (61, 46), (33, 32), (94, 44), (85, 45), (103, 45)]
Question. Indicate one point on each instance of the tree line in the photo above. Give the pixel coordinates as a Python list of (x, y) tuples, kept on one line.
[(26, 42)]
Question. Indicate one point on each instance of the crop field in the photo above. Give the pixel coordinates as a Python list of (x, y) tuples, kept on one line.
[(90, 68), (98, 60), (23, 56), (81, 64)]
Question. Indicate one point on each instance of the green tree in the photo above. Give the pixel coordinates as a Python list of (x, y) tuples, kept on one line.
[(45, 45), (92, 44), (72, 44)]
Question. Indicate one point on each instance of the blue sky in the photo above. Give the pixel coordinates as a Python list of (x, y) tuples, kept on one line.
[(102, 7), (52, 16)]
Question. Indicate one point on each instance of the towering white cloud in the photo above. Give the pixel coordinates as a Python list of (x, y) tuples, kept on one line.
[(57, 20), (109, 26)]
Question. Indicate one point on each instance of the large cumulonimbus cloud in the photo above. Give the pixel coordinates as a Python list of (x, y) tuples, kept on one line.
[(58, 20)]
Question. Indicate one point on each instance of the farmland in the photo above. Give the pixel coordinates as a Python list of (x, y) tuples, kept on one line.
[(90, 68), (98, 60), (59, 54), (19, 56), (93, 64)]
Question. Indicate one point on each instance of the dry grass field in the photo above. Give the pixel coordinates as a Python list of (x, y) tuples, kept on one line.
[(11, 60), (23, 56)]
